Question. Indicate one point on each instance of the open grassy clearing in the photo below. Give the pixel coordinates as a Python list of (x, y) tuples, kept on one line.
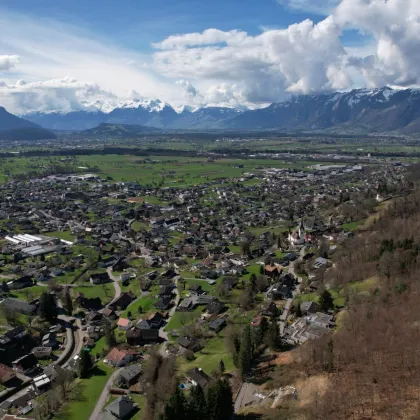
[(209, 357), (339, 294), (89, 391), (104, 291)]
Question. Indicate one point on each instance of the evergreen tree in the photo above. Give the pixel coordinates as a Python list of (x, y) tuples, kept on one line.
[(48, 307), (197, 405), (326, 301), (220, 401), (273, 336), (260, 332), (68, 303), (110, 339), (221, 367), (262, 272), (176, 407), (253, 281), (245, 352), (85, 364), (4, 287)]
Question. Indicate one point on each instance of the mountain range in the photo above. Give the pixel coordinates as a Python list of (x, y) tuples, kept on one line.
[(359, 111)]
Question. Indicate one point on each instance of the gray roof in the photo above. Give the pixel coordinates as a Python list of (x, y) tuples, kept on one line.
[(121, 407), (130, 372)]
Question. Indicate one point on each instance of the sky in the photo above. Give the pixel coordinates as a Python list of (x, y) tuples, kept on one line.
[(66, 55)]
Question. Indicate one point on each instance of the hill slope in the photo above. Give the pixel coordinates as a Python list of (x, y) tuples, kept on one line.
[(15, 128)]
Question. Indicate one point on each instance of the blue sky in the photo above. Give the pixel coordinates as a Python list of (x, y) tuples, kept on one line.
[(139, 23), (190, 51)]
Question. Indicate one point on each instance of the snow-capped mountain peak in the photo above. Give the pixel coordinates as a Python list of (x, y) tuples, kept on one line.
[(148, 104)]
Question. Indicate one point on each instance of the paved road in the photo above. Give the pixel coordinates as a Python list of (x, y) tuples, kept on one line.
[(102, 399), (62, 361), (162, 333), (115, 282), (285, 313)]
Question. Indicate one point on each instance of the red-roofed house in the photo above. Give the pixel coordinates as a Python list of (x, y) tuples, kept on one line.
[(119, 358), (124, 324), (6, 374)]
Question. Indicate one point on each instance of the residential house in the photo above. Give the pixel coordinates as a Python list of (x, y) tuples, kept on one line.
[(122, 408), (124, 324), (217, 325), (136, 336), (109, 313), (189, 343), (195, 289), (122, 301), (19, 306), (118, 358), (308, 308), (26, 364), (215, 307), (6, 374), (42, 352), (320, 262), (129, 376), (163, 303), (90, 304), (99, 278), (20, 283), (50, 340), (269, 309), (155, 320), (197, 377)]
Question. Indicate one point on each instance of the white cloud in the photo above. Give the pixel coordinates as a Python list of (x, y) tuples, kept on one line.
[(395, 26), (299, 59), (208, 37), (214, 65), (59, 94), (8, 62)]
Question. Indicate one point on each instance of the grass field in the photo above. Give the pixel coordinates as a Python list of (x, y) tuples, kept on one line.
[(89, 391), (67, 236), (104, 291), (29, 293), (209, 357), (339, 294), (181, 319)]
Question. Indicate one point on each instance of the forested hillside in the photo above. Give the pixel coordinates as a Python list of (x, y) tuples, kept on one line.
[(370, 365)]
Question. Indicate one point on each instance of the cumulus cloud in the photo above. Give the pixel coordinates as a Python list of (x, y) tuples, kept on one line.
[(58, 94), (395, 26), (7, 62), (303, 58), (214, 66)]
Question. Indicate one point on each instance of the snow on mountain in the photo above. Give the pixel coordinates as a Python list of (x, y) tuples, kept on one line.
[(147, 104), (227, 105)]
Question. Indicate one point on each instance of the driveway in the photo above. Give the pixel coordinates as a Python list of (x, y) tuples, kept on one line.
[(162, 333), (115, 282)]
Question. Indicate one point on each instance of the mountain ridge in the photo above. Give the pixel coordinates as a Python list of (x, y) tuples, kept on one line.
[(378, 110)]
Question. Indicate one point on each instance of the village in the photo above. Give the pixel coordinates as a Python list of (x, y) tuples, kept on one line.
[(115, 271)]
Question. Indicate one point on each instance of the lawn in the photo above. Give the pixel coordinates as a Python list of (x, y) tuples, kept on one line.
[(105, 292), (351, 226), (181, 319), (209, 357), (204, 285), (339, 294), (90, 390), (67, 236), (29, 293), (100, 346)]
